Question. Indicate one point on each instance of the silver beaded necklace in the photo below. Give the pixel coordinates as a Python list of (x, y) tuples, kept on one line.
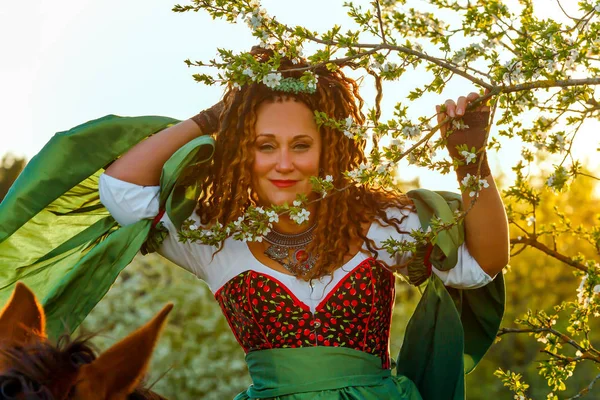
[(290, 250)]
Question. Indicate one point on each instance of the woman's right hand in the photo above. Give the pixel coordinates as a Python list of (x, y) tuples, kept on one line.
[(208, 120)]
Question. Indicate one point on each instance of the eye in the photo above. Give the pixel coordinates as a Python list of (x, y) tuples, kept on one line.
[(10, 387), (301, 146), (266, 147), (80, 358)]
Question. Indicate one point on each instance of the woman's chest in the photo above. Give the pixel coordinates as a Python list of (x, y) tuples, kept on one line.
[(352, 309)]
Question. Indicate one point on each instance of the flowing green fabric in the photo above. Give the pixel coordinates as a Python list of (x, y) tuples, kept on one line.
[(56, 236), (325, 373), (451, 329)]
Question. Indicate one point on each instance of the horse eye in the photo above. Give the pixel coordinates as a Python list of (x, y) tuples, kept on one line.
[(10, 388), (81, 358)]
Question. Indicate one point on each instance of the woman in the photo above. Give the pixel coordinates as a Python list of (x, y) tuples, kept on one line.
[(311, 304)]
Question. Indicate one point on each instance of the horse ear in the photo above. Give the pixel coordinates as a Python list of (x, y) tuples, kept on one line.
[(118, 370), (22, 320)]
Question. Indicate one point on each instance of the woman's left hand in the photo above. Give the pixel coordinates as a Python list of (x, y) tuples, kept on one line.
[(472, 135)]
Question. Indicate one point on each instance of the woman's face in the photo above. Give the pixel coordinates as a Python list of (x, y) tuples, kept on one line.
[(286, 152)]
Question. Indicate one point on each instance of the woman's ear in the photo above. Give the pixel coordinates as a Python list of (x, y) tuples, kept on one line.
[(22, 320)]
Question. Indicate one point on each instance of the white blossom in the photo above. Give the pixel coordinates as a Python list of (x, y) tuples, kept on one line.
[(459, 124), (597, 289), (580, 289), (376, 65), (348, 131), (273, 216), (389, 66), (530, 220), (469, 157), (329, 178), (412, 158), (193, 227), (466, 179), (459, 56), (254, 21), (514, 74), (239, 221), (411, 132), (297, 203), (560, 142), (272, 80), (398, 143), (249, 72), (301, 216), (349, 122)]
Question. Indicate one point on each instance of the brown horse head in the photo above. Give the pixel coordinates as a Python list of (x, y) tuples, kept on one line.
[(31, 368)]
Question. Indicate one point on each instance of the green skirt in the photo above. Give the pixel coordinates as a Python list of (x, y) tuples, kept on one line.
[(323, 373)]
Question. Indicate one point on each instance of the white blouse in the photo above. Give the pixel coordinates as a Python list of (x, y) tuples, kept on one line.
[(129, 203)]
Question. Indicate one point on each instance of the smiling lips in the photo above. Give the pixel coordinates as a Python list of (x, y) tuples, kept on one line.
[(283, 183)]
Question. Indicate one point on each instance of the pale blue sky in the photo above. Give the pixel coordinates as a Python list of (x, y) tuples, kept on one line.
[(68, 61)]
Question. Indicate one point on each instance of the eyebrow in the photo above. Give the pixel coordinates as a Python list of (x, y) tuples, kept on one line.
[(270, 135)]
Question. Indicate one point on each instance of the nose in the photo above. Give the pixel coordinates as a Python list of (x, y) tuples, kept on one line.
[(284, 161)]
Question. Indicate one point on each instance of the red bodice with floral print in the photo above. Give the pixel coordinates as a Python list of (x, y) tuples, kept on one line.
[(356, 313)]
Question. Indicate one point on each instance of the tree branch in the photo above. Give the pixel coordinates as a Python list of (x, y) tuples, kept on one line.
[(532, 241)]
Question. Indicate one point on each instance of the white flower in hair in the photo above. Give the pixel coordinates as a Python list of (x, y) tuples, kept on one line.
[(349, 122), (272, 80)]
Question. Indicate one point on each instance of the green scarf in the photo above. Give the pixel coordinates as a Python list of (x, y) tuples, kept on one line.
[(58, 238), (451, 329)]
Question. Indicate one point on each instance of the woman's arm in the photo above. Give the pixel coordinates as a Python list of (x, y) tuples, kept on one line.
[(486, 224), (486, 229), (143, 163)]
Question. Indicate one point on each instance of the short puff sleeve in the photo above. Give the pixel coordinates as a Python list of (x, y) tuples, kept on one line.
[(129, 203), (467, 274)]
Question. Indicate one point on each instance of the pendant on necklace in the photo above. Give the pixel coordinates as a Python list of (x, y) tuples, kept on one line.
[(301, 255)]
